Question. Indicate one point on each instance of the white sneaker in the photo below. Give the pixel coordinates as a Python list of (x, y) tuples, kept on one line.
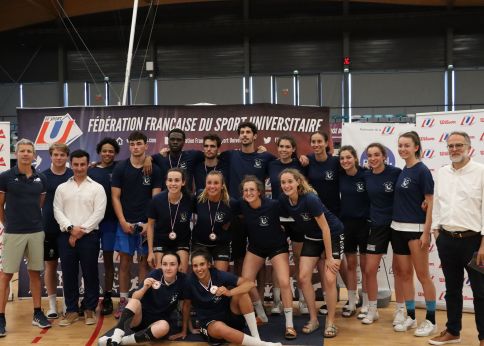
[(409, 323), (277, 309), (426, 328), (103, 340), (398, 316), (362, 314), (371, 316), (303, 308), (52, 314)]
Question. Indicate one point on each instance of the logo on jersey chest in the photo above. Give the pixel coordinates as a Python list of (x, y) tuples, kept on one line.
[(257, 163), (360, 187), (219, 216), (184, 217), (388, 186), (263, 221), (406, 182), (146, 180), (183, 165), (329, 175), (305, 217)]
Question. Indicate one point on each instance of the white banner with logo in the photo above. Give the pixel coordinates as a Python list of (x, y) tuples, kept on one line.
[(4, 165), (434, 129), (359, 135)]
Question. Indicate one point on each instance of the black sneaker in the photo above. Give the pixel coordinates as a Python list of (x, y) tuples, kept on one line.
[(107, 306), (40, 320), (3, 324)]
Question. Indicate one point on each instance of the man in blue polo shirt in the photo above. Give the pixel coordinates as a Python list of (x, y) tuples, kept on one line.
[(22, 194)]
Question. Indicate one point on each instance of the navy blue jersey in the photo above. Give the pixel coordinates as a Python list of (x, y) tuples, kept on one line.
[(208, 306), (355, 203), (307, 208), (381, 188), (158, 210), (242, 164), (412, 185), (187, 160), (220, 214), (136, 189), (160, 303), (49, 222), (103, 176), (324, 178), (263, 224), (22, 200), (201, 171), (275, 169)]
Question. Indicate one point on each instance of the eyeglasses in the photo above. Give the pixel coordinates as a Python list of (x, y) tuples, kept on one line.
[(455, 146)]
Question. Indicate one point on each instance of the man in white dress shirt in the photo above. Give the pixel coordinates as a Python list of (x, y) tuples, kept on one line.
[(79, 206), (458, 220)]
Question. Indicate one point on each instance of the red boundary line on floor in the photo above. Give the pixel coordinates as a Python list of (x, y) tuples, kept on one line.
[(36, 339), (99, 325)]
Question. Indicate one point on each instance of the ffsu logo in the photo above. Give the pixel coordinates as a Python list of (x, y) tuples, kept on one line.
[(388, 186), (406, 182), (183, 165), (257, 163), (305, 217), (360, 186), (183, 217), (146, 180), (329, 175), (219, 216)]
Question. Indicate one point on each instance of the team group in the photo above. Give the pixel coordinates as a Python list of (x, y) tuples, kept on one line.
[(329, 207)]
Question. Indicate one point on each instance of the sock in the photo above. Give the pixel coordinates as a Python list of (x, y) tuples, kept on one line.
[(117, 335), (252, 324), (37, 310), (144, 335), (430, 310), (351, 299), (259, 310), (52, 302), (365, 299), (288, 316), (124, 295), (301, 295), (373, 303), (107, 294), (125, 320), (276, 298), (128, 340), (400, 306), (410, 304)]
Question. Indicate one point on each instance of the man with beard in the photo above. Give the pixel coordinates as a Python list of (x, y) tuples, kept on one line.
[(212, 162)]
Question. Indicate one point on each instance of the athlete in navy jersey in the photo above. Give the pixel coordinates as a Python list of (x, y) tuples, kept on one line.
[(380, 184), (107, 150), (219, 299), (323, 237), (212, 162), (411, 232), (266, 240), (214, 215), (287, 158), (131, 190), (57, 174), (169, 215), (146, 316), (355, 207), (177, 157)]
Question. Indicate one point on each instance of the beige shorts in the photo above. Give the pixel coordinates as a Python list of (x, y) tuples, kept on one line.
[(18, 246)]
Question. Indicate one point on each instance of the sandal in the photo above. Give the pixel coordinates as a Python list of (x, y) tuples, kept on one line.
[(290, 333), (348, 313), (331, 331), (310, 327)]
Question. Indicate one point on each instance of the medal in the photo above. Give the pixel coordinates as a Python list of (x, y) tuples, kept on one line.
[(172, 235), (156, 285), (212, 236), (213, 289)]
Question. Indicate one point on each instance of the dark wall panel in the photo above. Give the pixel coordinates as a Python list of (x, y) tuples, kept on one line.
[(468, 50), (28, 64)]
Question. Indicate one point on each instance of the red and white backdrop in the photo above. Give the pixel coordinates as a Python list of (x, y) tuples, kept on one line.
[(4, 165), (434, 129)]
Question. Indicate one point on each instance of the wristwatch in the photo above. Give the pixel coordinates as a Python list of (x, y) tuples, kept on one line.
[(70, 228)]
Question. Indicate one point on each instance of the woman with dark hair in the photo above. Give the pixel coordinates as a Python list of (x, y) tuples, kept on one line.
[(145, 317), (169, 214), (220, 299), (266, 240), (411, 232), (323, 240), (380, 183), (354, 214), (287, 158), (213, 220)]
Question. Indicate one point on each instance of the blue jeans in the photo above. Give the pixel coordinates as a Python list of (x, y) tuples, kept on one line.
[(85, 254), (454, 255)]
